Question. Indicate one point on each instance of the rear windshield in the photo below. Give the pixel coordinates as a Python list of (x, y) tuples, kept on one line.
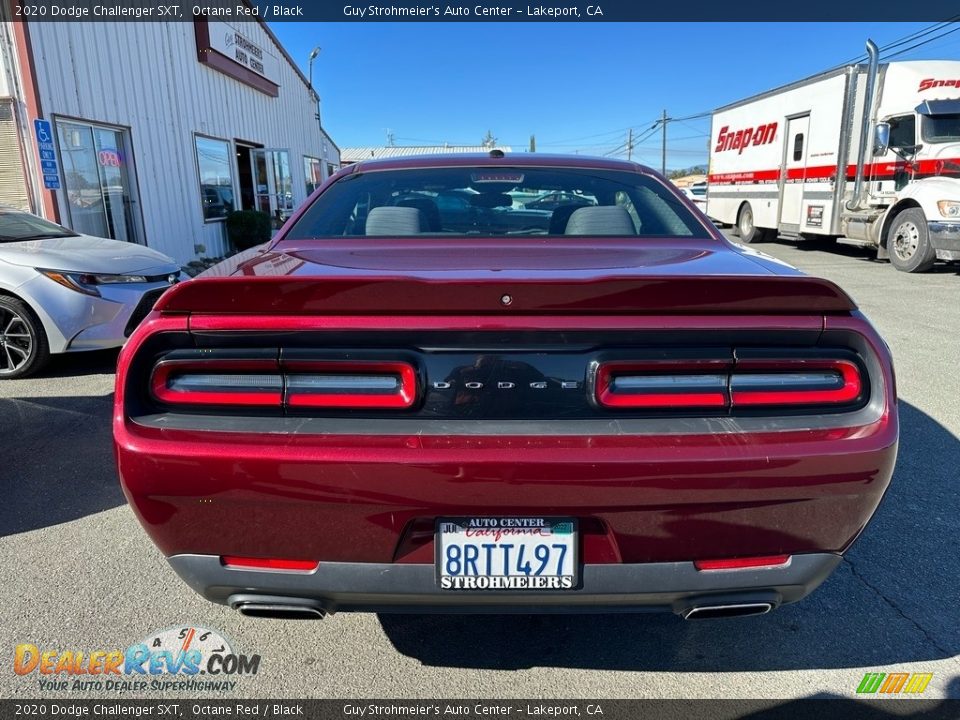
[(497, 201)]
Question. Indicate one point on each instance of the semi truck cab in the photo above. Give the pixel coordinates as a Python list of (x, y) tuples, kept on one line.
[(914, 178)]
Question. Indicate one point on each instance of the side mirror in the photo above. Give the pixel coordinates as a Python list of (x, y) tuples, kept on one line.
[(881, 138)]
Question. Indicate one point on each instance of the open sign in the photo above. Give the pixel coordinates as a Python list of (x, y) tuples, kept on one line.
[(109, 158)]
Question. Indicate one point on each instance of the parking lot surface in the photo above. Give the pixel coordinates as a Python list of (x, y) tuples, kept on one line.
[(82, 575)]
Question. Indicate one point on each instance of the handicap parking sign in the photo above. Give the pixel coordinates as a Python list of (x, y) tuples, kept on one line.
[(48, 158)]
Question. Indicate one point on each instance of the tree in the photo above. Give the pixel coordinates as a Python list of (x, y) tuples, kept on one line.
[(533, 143), (489, 141)]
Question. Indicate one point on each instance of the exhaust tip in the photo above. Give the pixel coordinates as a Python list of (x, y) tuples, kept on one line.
[(281, 611), (709, 612)]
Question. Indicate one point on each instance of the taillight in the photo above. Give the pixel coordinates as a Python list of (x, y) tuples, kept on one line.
[(218, 382), (235, 562), (266, 383), (744, 383), (743, 563), (661, 385), (795, 382), (350, 384)]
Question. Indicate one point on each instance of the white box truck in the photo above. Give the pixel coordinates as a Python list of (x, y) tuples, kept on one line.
[(870, 153)]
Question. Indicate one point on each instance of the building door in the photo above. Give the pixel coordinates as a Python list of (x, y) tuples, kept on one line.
[(273, 184), (794, 175), (97, 181)]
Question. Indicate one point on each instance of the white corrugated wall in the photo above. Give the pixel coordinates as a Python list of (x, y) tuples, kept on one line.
[(146, 76)]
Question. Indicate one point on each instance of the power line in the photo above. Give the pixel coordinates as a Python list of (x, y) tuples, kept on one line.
[(922, 32), (600, 134), (925, 42)]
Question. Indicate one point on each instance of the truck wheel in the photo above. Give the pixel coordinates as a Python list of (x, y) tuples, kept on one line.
[(908, 242), (749, 232), (23, 343)]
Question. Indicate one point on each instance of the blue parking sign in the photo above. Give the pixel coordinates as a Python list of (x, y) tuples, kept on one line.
[(48, 158)]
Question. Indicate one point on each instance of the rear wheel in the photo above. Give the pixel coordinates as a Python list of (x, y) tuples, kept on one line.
[(749, 232), (908, 242), (23, 344)]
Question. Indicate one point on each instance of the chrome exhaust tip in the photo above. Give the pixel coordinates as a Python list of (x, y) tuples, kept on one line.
[(281, 611), (708, 612)]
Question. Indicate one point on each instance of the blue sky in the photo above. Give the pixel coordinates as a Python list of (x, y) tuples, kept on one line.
[(577, 87)]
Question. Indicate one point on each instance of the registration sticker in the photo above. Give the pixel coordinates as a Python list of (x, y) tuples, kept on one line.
[(515, 553)]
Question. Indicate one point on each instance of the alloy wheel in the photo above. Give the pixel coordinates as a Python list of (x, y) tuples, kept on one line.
[(16, 341), (906, 240)]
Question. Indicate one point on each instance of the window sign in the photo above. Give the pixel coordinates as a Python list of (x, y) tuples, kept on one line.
[(109, 158)]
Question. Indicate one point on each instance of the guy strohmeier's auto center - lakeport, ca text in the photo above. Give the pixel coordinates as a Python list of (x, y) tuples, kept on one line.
[(462, 11), (118, 10)]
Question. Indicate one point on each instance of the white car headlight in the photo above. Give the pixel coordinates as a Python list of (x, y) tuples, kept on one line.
[(87, 283), (113, 279), (949, 208)]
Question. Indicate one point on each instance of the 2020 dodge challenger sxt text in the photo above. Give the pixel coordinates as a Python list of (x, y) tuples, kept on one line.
[(404, 403)]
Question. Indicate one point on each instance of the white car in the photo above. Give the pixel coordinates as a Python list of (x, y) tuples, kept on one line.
[(61, 291), (697, 194)]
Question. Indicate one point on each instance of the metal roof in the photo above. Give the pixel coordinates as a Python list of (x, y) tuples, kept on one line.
[(356, 154)]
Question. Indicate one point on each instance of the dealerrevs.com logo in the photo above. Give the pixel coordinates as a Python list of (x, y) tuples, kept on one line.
[(186, 658)]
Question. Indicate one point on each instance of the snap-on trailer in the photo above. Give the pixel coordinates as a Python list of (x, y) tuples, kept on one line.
[(870, 153)]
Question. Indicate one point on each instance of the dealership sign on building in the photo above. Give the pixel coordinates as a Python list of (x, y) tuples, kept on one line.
[(228, 41)]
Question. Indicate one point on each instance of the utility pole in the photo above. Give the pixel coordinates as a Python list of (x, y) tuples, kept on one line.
[(663, 143), (630, 145)]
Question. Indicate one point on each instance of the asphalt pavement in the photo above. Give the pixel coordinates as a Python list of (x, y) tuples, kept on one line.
[(80, 574)]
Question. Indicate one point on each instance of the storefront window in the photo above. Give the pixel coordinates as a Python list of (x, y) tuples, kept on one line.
[(216, 178), (98, 186), (313, 172)]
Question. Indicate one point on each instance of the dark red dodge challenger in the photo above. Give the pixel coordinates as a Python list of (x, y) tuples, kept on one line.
[(429, 393)]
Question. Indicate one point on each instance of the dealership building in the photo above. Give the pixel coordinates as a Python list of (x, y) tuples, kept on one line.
[(153, 132)]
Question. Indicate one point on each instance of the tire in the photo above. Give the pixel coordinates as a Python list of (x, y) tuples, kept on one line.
[(749, 233), (23, 343), (908, 242)]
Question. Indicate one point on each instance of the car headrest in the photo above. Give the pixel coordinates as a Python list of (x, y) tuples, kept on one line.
[(429, 209), (601, 220), (560, 218), (395, 221)]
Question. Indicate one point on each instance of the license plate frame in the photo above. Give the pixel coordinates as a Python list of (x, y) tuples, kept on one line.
[(482, 522)]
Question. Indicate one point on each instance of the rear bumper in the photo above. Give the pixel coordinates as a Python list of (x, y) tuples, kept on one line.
[(389, 587)]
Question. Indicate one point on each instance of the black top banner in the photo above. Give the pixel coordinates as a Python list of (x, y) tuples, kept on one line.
[(597, 11)]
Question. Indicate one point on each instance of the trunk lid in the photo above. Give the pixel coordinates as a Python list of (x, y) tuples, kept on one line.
[(526, 276)]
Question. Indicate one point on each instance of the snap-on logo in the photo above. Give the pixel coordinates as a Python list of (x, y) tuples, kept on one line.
[(742, 139), (928, 83)]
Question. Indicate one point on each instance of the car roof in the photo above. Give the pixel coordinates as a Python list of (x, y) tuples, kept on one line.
[(499, 159)]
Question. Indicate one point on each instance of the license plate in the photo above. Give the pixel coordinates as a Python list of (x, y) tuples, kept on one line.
[(483, 553)]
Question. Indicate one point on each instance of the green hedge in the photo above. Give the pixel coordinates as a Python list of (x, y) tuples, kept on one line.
[(247, 228)]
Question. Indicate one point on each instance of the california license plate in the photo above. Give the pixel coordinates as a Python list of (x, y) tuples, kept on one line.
[(516, 553)]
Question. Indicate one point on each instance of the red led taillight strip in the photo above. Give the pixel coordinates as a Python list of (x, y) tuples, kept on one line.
[(235, 562), (218, 382), (263, 383), (713, 384), (782, 382), (662, 384), (360, 384), (743, 563)]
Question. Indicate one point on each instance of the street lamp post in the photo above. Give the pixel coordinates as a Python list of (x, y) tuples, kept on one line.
[(310, 59), (313, 56)]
